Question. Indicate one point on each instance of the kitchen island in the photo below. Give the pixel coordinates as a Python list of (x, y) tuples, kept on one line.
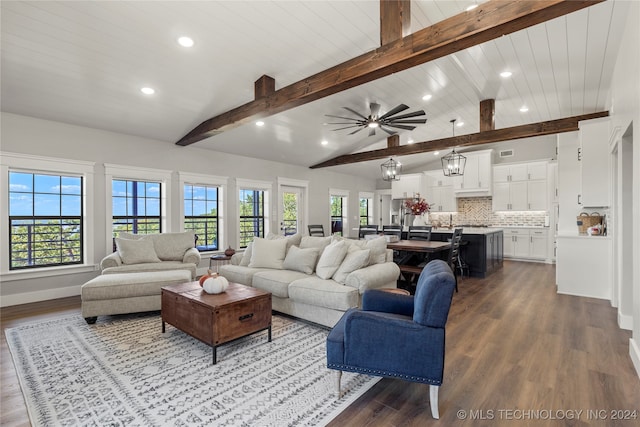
[(481, 249)]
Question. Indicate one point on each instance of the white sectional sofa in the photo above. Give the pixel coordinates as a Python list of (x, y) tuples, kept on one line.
[(314, 278), (152, 252)]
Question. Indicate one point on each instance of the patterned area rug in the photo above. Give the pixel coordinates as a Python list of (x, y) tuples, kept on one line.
[(125, 372)]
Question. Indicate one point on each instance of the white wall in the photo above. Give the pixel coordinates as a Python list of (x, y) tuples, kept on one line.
[(625, 111), (27, 135)]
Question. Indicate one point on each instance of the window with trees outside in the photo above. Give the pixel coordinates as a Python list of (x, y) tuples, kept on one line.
[(45, 220), (201, 215), (366, 210), (338, 214), (252, 215), (136, 207)]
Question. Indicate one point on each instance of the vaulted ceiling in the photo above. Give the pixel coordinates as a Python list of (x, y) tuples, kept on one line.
[(84, 63)]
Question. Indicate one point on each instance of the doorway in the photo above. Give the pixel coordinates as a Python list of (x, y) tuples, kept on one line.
[(292, 206)]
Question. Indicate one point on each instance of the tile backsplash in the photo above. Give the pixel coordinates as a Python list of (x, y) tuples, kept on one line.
[(478, 211)]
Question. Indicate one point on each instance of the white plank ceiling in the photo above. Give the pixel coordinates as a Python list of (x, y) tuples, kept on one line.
[(84, 62)]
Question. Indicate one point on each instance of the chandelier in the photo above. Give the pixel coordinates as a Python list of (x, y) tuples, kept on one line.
[(391, 170), (453, 163)]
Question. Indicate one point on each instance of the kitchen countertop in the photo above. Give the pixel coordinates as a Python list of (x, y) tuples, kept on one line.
[(468, 230)]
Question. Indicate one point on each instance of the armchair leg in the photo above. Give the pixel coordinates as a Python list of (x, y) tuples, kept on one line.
[(338, 378), (433, 399)]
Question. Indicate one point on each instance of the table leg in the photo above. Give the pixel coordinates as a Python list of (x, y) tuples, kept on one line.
[(269, 333), (163, 326), (215, 355)]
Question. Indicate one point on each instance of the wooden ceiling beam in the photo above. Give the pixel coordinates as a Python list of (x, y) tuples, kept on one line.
[(567, 124), (395, 20), (488, 21)]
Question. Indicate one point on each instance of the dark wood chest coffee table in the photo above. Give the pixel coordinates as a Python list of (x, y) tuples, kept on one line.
[(216, 319)]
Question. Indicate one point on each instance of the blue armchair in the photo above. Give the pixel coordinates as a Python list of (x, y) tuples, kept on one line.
[(397, 336)]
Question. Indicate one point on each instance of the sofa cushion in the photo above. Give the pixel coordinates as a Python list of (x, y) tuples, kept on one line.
[(239, 274), (268, 253), (330, 260), (378, 248), (323, 293), (152, 267), (302, 260), (172, 246), (356, 258), (315, 242), (128, 285), (276, 281), (293, 240), (246, 256), (136, 251)]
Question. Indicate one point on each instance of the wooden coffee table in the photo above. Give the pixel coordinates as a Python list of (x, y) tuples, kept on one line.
[(216, 319)]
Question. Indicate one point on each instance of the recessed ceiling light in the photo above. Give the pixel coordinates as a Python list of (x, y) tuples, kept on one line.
[(324, 142), (505, 74), (426, 97), (410, 141), (524, 109), (185, 41), (435, 153), (459, 124), (147, 90), (473, 6), (260, 123)]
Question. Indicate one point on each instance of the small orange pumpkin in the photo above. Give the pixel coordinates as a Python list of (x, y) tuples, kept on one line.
[(206, 276)]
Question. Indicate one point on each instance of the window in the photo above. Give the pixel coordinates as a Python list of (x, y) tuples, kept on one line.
[(366, 208), (252, 221), (201, 215), (338, 206), (45, 220), (136, 206)]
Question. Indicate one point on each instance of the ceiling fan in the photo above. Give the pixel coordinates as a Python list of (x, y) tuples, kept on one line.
[(384, 122)]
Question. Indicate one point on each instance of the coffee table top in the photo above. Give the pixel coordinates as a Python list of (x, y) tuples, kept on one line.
[(235, 292)]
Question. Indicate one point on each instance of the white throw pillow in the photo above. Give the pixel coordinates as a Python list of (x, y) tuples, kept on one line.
[(378, 247), (246, 255), (268, 253), (331, 259), (315, 242), (356, 259), (293, 240), (302, 260), (136, 251)]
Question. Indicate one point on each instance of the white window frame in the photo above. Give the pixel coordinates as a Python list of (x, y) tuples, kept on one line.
[(113, 171), (50, 165), (345, 209), (252, 184), (188, 178), (302, 184)]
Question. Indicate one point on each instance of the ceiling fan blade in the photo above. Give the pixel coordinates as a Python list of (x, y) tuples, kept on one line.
[(372, 131), (389, 131), (396, 110), (356, 131), (345, 123), (375, 109), (340, 117), (400, 126), (354, 112), (414, 114), (347, 127), (417, 121)]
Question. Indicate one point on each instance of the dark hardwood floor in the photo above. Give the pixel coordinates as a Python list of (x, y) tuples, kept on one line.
[(517, 354)]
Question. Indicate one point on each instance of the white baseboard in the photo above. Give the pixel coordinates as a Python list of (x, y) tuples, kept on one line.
[(625, 321), (27, 297), (634, 352)]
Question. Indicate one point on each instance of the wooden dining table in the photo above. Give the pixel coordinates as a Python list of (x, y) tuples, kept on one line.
[(416, 246)]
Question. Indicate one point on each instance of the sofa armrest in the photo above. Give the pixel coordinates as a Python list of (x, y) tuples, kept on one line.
[(373, 277), (191, 256), (111, 260), (236, 258)]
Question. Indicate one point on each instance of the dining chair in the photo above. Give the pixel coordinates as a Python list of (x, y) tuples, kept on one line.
[(392, 230), (454, 253), (367, 229), (419, 232), (316, 230)]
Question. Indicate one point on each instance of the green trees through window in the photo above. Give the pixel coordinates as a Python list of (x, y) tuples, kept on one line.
[(201, 215), (252, 215)]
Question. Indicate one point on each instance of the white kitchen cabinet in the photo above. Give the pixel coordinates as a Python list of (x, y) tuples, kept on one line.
[(438, 192), (509, 196), (568, 182), (477, 175), (407, 186), (537, 171), (583, 266), (526, 243), (537, 199), (510, 172), (594, 162), (520, 187)]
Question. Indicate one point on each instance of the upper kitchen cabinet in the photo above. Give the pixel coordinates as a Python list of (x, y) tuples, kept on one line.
[(438, 192), (476, 180), (593, 156), (408, 186), (520, 187)]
